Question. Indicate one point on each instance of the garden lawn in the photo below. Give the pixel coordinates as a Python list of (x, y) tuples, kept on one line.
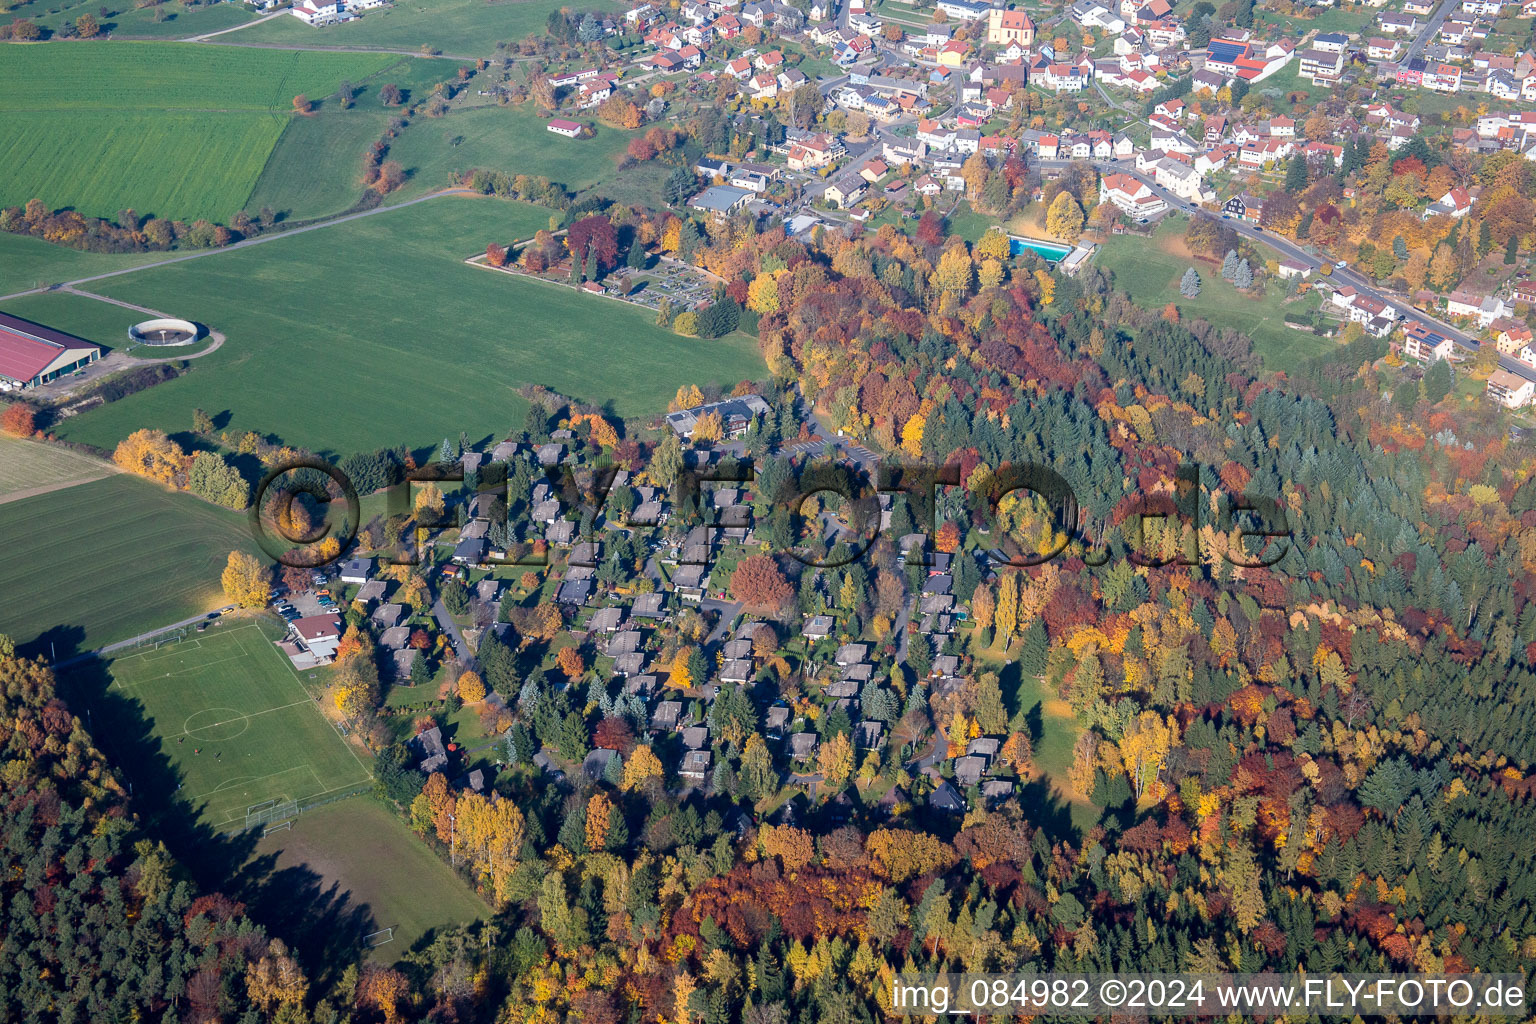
[(235, 722), (107, 560), (469, 28), (29, 467), (369, 854), (1150, 273), (374, 332), (173, 130)]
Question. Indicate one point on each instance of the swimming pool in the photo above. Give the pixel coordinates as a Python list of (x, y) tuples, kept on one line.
[(1051, 252)]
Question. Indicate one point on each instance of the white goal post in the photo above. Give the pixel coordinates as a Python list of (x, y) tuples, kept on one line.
[(270, 812)]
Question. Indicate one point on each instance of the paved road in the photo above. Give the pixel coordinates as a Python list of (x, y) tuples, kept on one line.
[(259, 240), (1428, 32), (447, 625), (131, 641)]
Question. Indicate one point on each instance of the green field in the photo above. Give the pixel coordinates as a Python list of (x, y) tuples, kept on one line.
[(314, 170), (1150, 273), (176, 20), (29, 466), (107, 560), (172, 130), (374, 332), (27, 262), (510, 139), (467, 28), (369, 855), (235, 722)]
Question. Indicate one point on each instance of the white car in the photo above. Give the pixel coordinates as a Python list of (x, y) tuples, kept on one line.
[(1342, 265)]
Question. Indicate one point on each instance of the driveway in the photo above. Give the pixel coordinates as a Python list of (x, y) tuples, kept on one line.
[(447, 625)]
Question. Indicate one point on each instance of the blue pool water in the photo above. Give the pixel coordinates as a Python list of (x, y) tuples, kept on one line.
[(1049, 251)]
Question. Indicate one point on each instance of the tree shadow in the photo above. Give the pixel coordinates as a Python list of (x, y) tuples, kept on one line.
[(1044, 806), (56, 644)]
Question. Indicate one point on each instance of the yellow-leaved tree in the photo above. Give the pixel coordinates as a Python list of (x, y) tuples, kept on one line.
[(247, 583), (150, 453), (643, 764)]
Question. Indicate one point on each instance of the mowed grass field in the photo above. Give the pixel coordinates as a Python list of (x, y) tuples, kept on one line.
[(374, 332), (467, 28), (235, 722), (365, 851), (27, 262), (1150, 272), (171, 130), (106, 560), (29, 466)]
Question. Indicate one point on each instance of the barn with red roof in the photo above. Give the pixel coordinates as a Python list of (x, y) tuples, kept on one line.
[(31, 354)]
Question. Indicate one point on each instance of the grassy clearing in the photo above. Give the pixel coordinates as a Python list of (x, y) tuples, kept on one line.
[(235, 722), (374, 332), (510, 139), (1150, 269), (28, 466), (29, 262), (361, 848), (107, 560), (463, 27), (172, 130)]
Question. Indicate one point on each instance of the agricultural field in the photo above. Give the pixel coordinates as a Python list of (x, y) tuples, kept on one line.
[(171, 130), (314, 169), (510, 139), (378, 865), (1150, 272), (106, 560), (401, 341), (460, 28), (235, 722), (162, 21), (27, 262), (28, 467)]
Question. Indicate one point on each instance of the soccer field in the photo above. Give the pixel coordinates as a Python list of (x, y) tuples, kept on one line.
[(236, 723)]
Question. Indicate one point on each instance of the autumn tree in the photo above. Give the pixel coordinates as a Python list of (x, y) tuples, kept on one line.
[(642, 766), (150, 453), (302, 105), (471, 688), (1064, 219), (795, 847), (758, 584), (571, 662), (19, 420), (247, 583)]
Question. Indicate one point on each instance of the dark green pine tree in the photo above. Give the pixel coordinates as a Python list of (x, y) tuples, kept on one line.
[(1033, 651), (636, 258), (591, 269)]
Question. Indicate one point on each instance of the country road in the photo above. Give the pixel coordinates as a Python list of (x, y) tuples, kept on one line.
[(259, 240)]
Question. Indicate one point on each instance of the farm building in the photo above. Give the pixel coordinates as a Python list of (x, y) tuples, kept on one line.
[(560, 126), (31, 354)]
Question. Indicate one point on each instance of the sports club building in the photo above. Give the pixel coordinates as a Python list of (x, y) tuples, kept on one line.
[(32, 355)]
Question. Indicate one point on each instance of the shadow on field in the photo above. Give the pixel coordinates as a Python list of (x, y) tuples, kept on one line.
[(55, 644), (321, 924)]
